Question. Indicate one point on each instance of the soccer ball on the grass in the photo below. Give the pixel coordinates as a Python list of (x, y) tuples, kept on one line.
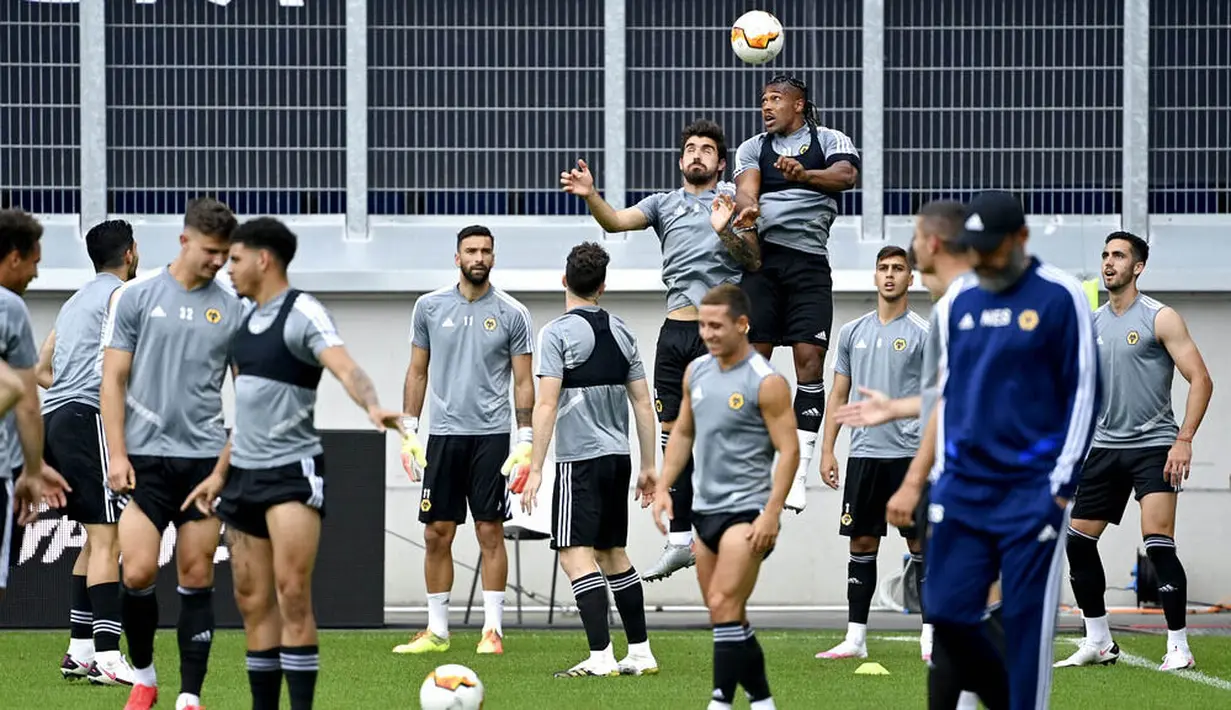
[(451, 687), (756, 37)]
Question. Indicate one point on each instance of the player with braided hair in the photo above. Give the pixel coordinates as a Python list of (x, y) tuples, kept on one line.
[(787, 184)]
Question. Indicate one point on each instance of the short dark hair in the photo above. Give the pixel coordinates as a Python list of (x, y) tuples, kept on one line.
[(269, 234), (891, 251), (19, 231), (107, 242), (475, 230), (586, 269), (946, 218), (1141, 248), (705, 128), (211, 218), (731, 296)]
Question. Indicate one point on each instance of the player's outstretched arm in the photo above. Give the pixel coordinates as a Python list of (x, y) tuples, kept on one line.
[(741, 243), (580, 181), (877, 408), (359, 386), (45, 355), (1173, 333), (779, 416)]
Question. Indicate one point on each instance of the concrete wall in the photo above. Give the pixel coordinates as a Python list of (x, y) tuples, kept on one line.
[(809, 566)]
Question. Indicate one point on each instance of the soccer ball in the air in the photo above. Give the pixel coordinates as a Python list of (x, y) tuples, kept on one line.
[(756, 37), (451, 687)]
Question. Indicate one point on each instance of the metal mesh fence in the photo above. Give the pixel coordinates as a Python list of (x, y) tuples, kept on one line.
[(40, 117), (1023, 96), (477, 106), (1190, 106), (245, 101), (680, 68)]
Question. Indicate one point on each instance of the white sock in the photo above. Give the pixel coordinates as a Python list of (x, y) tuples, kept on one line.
[(641, 650), (857, 633), (925, 634), (1177, 639), (1097, 630), (967, 701), (82, 650), (145, 676), (718, 705), (680, 539), (493, 611), (807, 444), (766, 704), (606, 655), (438, 614), (187, 700)]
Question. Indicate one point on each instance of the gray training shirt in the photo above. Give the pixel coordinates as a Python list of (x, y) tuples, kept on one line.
[(179, 343), (21, 353), (1137, 374), (471, 346), (274, 420), (694, 258), (796, 218), (733, 453), (76, 364), (590, 421), (886, 357)]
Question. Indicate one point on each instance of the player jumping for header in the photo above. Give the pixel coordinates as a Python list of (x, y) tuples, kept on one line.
[(735, 415), (466, 340), (696, 258), (1138, 447), (788, 180)]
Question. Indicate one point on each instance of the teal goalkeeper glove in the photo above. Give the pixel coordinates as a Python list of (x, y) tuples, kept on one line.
[(517, 466)]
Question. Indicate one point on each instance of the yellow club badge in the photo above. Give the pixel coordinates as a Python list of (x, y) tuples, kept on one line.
[(425, 505), (847, 519), (1133, 337), (489, 324), (1028, 319), (899, 344), (736, 401), (213, 315)]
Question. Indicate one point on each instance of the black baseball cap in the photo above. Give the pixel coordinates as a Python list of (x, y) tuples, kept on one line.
[(990, 217)]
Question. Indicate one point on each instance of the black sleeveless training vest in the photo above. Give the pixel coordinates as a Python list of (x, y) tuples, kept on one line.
[(772, 179), (606, 364), (265, 354)]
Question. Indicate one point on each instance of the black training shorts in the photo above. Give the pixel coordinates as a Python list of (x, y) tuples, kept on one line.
[(164, 483), (1110, 475), (870, 483), (679, 343), (792, 297), (464, 471), (75, 446), (711, 527), (589, 505), (250, 492)]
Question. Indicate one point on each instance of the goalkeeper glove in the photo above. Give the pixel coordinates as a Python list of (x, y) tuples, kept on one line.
[(517, 465), (413, 459)]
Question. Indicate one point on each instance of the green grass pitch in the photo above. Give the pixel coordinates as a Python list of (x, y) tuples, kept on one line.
[(359, 672)]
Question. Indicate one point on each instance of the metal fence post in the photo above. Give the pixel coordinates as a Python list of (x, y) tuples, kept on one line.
[(92, 37), (614, 103), (356, 120), (1135, 210), (872, 123)]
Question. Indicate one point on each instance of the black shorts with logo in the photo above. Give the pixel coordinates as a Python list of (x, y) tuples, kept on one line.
[(792, 297), (1108, 476), (164, 483), (74, 445), (870, 483), (679, 343), (589, 505), (711, 527), (464, 471), (250, 492)]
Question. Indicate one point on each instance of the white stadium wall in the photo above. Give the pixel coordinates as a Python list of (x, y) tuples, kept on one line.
[(809, 566)]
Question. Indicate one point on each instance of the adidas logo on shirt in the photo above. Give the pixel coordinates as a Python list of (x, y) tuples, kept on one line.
[(158, 312)]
